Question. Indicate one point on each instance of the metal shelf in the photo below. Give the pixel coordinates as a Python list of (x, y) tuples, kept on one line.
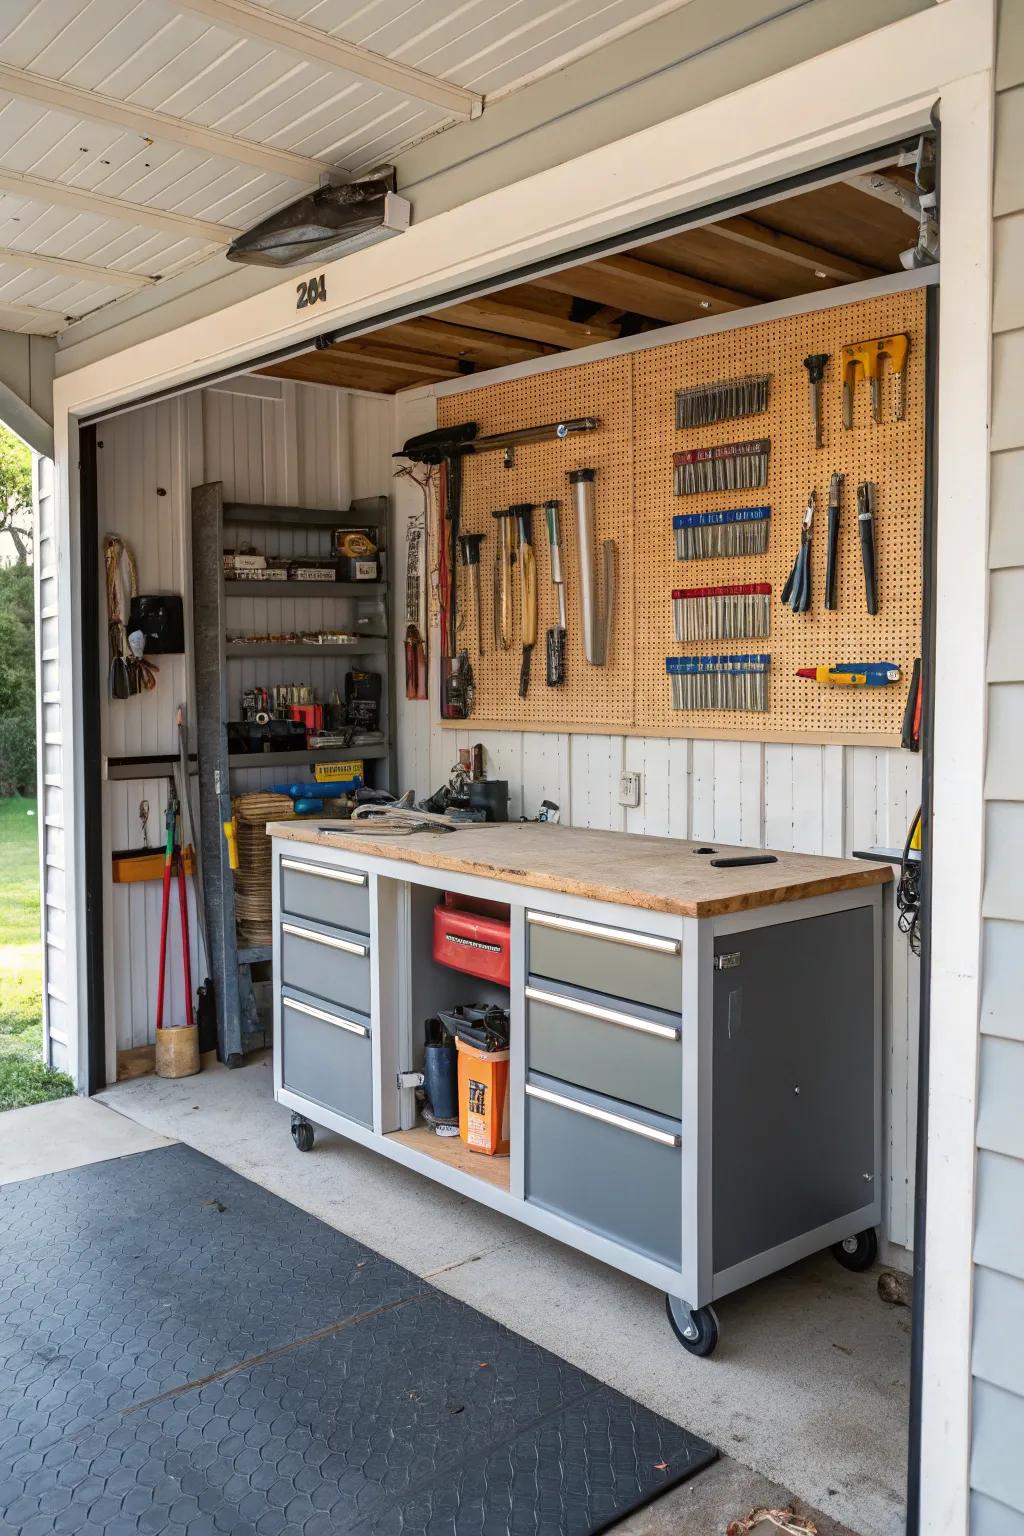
[(310, 755), (366, 512), (303, 588), (368, 645)]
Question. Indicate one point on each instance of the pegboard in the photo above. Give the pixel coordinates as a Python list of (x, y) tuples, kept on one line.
[(603, 389), (634, 397)]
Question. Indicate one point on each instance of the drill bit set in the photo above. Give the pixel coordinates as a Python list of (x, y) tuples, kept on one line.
[(709, 535), (728, 467), (719, 682), (703, 404), (741, 611)]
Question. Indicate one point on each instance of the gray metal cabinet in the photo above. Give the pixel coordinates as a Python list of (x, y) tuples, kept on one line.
[(326, 1055), (629, 1052), (793, 1081), (607, 1166)]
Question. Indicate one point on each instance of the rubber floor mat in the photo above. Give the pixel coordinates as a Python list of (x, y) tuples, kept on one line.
[(182, 1351)]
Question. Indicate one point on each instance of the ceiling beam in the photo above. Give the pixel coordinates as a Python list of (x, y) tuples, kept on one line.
[(512, 319), (749, 234), (87, 271), (375, 351), (158, 126), (326, 50), (487, 348), (641, 287), (41, 189)]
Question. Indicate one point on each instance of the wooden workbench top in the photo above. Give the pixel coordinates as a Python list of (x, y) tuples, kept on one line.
[(658, 874)]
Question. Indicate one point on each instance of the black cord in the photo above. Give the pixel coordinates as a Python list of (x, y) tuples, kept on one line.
[(908, 892)]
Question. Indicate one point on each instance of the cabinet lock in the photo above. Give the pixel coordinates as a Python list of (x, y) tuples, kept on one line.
[(727, 962)]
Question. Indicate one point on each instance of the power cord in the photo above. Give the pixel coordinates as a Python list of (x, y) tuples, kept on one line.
[(908, 891)]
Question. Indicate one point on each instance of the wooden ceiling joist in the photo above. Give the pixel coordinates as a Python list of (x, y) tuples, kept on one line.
[(487, 349), (510, 318), (641, 287), (753, 236)]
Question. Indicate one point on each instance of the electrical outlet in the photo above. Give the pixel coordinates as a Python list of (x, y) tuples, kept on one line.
[(629, 789)]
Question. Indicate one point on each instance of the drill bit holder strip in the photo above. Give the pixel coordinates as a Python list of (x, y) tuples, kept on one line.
[(633, 395), (741, 611), (729, 467), (719, 682), (703, 404), (712, 535)]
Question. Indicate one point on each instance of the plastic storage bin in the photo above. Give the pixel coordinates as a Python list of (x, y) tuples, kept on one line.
[(483, 1099), (471, 940)]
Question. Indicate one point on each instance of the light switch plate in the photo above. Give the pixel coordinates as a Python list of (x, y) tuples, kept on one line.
[(629, 789)]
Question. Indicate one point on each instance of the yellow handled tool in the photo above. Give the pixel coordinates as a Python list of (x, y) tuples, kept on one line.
[(867, 356), (231, 837), (504, 560)]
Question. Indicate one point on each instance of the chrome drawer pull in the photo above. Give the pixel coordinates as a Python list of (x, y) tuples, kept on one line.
[(347, 876), (329, 940), (649, 941), (606, 1015), (665, 1138), (328, 1018)]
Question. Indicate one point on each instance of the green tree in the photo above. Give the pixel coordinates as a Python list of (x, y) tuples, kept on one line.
[(15, 498)]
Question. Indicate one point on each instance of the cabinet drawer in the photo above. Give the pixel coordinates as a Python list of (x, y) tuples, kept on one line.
[(631, 1052), (328, 962), (325, 1056), (324, 893), (607, 1166), (643, 967)]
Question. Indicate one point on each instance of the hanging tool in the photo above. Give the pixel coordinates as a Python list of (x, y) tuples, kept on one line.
[(737, 612), (504, 560), (416, 619), (835, 497), (719, 682), (867, 356), (797, 591), (447, 443), (910, 734), (727, 467), (454, 704), (816, 364), (555, 638), (469, 549), (174, 854), (862, 674), (523, 513), (144, 822), (706, 535), (596, 609), (866, 524)]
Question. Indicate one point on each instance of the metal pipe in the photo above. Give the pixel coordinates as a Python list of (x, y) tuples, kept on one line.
[(592, 630)]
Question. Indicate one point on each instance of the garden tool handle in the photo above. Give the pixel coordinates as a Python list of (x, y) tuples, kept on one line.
[(231, 837)]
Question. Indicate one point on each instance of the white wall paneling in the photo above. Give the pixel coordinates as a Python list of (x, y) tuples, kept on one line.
[(268, 441), (814, 799)]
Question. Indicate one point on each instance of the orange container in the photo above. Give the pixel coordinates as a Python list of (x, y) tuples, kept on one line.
[(483, 1099)]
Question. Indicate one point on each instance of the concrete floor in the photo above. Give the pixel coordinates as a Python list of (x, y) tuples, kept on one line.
[(67, 1133), (807, 1391)]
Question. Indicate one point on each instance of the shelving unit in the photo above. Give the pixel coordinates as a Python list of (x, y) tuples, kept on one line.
[(218, 686)]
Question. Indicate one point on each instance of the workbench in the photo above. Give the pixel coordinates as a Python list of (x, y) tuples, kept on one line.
[(695, 1070)]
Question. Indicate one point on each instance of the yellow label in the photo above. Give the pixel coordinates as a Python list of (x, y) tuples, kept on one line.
[(326, 773)]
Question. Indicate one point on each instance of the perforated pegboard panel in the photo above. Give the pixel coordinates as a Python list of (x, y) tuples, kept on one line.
[(602, 695), (635, 506)]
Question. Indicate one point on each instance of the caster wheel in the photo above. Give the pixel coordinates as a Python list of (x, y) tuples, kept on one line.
[(303, 1135), (697, 1331), (858, 1252)]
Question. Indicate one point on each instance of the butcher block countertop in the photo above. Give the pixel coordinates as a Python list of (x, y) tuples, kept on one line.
[(657, 874)]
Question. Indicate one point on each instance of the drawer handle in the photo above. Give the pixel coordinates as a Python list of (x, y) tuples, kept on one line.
[(606, 1015), (328, 1018), (649, 941), (347, 876), (665, 1138), (328, 939)]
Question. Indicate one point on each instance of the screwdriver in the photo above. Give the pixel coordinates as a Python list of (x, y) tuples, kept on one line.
[(816, 365), (864, 674)]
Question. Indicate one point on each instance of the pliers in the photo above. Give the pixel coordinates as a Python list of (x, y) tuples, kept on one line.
[(797, 591)]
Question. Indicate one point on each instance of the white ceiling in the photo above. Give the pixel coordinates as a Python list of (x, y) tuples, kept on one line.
[(244, 126)]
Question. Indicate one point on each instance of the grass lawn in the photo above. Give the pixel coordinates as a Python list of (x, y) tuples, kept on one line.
[(23, 1077)]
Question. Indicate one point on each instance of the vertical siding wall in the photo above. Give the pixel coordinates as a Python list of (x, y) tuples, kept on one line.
[(997, 1463), (808, 798), (268, 441)]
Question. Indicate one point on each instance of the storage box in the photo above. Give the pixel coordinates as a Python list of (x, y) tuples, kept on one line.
[(483, 1099), (477, 943)]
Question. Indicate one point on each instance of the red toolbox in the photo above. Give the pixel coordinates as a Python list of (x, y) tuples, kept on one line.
[(473, 936)]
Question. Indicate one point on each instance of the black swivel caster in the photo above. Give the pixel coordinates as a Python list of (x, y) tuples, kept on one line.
[(858, 1252), (697, 1331), (303, 1134)]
